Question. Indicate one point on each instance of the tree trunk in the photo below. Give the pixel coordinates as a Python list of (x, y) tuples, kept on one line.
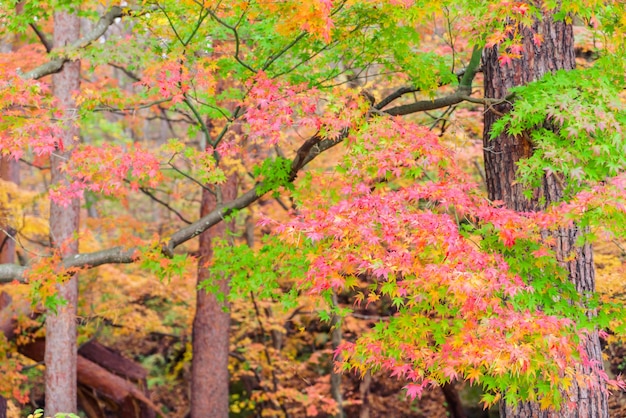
[(60, 357), (9, 171), (455, 406), (364, 391), (501, 155), (335, 375), (209, 365)]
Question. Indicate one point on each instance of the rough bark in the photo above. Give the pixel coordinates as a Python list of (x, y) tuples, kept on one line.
[(501, 155), (209, 365), (60, 355)]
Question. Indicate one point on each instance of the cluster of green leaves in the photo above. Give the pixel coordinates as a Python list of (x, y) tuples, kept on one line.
[(16, 19), (274, 173), (164, 268), (261, 271), (38, 413), (550, 289), (574, 120)]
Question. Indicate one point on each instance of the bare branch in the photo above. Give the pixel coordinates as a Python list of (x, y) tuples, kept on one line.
[(126, 71), (164, 204), (424, 105), (9, 272), (187, 176), (233, 29), (395, 95), (56, 64), (47, 43)]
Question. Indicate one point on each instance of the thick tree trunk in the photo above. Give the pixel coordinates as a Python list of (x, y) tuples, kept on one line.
[(501, 155), (209, 365), (60, 357)]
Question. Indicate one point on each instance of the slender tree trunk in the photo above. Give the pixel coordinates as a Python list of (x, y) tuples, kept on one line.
[(364, 391), (335, 376), (8, 172), (501, 155), (60, 356), (209, 365)]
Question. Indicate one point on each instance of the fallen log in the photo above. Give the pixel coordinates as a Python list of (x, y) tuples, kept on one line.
[(102, 373)]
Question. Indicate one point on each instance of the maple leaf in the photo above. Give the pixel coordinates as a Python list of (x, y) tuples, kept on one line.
[(473, 375), (311, 411), (520, 8), (414, 390), (505, 59)]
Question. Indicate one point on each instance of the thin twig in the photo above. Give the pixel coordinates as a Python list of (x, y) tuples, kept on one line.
[(17, 241), (233, 29), (187, 176), (47, 43), (171, 24), (164, 204), (203, 126)]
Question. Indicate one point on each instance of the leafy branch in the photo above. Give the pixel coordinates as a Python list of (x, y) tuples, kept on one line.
[(308, 151)]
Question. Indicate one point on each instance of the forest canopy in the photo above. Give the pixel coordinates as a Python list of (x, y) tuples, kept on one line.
[(320, 208)]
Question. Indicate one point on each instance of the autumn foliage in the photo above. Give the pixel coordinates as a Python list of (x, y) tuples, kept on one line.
[(351, 196)]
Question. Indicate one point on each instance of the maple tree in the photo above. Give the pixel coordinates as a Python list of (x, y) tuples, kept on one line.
[(495, 289)]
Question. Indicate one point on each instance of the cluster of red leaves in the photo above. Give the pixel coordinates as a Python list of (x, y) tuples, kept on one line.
[(392, 215), (108, 169), (274, 106), (12, 380), (26, 116), (169, 79)]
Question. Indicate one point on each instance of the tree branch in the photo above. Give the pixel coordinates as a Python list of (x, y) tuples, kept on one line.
[(55, 65), (164, 204), (424, 105), (461, 94), (233, 29), (47, 43), (119, 255), (307, 152), (395, 95)]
